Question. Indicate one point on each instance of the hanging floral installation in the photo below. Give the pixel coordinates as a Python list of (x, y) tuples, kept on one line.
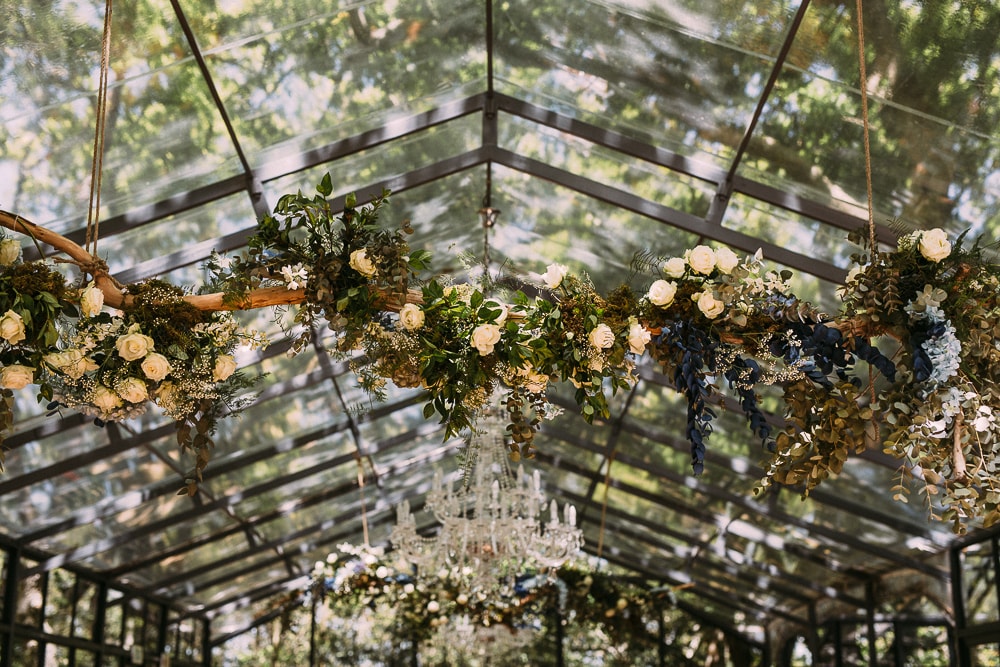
[(911, 362), (364, 576)]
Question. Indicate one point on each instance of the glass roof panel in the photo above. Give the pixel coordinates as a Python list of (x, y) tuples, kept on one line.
[(164, 135), (607, 166), (933, 107), (159, 239), (299, 75), (686, 76)]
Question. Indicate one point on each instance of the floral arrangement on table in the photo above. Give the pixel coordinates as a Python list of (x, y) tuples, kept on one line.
[(362, 576)]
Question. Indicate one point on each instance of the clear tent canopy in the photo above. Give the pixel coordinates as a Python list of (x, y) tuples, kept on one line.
[(601, 129)]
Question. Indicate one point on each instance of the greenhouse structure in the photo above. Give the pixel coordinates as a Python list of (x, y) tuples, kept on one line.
[(500, 332)]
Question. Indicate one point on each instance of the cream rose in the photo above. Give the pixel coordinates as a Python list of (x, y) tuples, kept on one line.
[(602, 337), (709, 305), (16, 376), (134, 346), (411, 317), (71, 362), (934, 244), (638, 337), (661, 293), (484, 337), (554, 274), (360, 263), (10, 250), (104, 399), (726, 260), (133, 390), (225, 366), (675, 267), (156, 366), (701, 259), (12, 327), (91, 300)]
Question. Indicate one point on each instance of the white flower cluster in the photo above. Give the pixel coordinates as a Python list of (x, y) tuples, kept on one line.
[(945, 350)]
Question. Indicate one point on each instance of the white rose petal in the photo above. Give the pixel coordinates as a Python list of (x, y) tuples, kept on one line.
[(661, 293), (638, 337), (104, 399), (554, 274), (726, 260), (133, 390), (16, 376), (10, 250), (360, 263), (602, 337), (675, 267), (411, 317), (485, 337), (134, 346), (91, 300), (496, 305), (12, 327), (225, 366), (156, 366), (934, 244), (709, 305), (701, 259)]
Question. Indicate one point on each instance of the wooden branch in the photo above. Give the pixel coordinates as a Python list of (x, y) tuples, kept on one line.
[(113, 296), (88, 263)]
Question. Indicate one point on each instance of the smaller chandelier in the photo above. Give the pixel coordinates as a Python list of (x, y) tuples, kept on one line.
[(491, 530)]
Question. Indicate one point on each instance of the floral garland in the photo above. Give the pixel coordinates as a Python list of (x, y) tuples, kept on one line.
[(708, 315), (112, 365)]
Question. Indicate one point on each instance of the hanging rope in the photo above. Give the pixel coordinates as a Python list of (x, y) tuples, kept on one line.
[(604, 505), (364, 508), (867, 130), (97, 164)]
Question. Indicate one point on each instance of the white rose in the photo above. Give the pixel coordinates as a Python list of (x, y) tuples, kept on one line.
[(934, 244), (433, 607), (726, 260), (134, 346), (554, 274), (484, 337), (361, 263), (701, 258), (661, 293), (133, 390), (462, 598), (225, 366), (16, 376), (104, 399), (675, 267), (91, 301), (602, 337), (156, 366), (638, 337), (12, 327), (71, 362), (709, 305), (411, 317), (10, 250)]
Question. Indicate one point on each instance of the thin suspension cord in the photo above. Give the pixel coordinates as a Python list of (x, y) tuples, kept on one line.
[(364, 508), (864, 120), (97, 163)]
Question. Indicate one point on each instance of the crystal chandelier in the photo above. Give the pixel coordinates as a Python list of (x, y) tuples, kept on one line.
[(491, 530)]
